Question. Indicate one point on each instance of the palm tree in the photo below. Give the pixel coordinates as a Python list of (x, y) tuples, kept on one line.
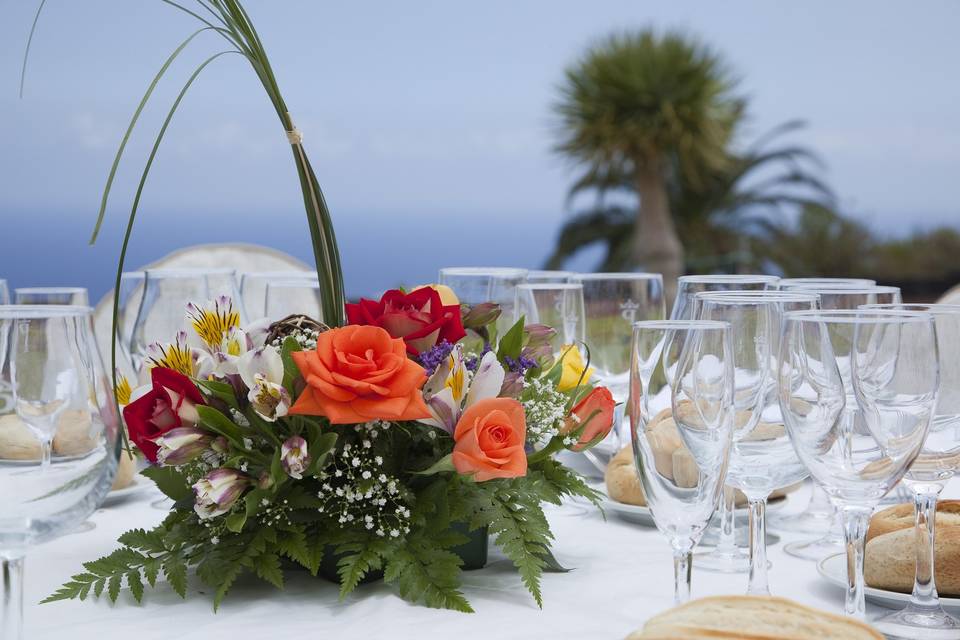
[(716, 217), (641, 107)]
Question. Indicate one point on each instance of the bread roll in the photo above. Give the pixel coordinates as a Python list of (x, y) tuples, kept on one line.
[(623, 484), (126, 470), (17, 442), (900, 516), (751, 618), (74, 437)]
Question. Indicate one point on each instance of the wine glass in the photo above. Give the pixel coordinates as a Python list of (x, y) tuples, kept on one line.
[(76, 296), (253, 288), (474, 285), (821, 516), (286, 297), (166, 294), (727, 557), (692, 360), (689, 286), (826, 282), (762, 458), (60, 393), (557, 305), (857, 393), (539, 276), (924, 617)]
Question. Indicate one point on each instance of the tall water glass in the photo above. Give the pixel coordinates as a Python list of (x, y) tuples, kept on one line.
[(283, 298), (762, 458), (60, 391), (938, 461), (690, 286), (693, 360), (827, 282), (75, 296), (131, 295), (474, 285), (253, 288), (857, 392), (557, 305), (820, 516), (4, 292), (543, 277)]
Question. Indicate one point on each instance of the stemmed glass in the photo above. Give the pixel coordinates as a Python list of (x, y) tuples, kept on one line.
[(474, 285), (827, 282), (824, 518), (762, 458), (857, 393), (284, 297), (55, 368), (549, 276), (727, 557), (76, 296), (924, 617), (253, 288), (693, 360), (557, 305)]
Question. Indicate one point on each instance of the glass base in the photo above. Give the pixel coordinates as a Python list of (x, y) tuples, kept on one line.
[(812, 522), (816, 550), (724, 561), (919, 623), (83, 527)]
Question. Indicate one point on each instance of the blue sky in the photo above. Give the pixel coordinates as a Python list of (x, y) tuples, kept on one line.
[(429, 123)]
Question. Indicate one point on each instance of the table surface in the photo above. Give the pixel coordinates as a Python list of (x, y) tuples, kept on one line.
[(623, 574)]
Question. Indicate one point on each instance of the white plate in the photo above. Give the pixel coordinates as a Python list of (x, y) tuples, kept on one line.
[(138, 485), (834, 570)]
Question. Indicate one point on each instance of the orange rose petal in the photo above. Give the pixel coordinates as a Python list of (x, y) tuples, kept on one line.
[(342, 413), (306, 404), (332, 391)]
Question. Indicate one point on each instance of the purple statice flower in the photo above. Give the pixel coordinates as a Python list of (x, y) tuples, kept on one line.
[(433, 358), (520, 365), (472, 362)]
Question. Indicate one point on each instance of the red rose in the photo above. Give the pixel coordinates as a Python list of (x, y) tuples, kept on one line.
[(419, 318), (170, 404)]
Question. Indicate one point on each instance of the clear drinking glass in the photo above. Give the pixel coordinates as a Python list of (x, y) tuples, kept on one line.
[(549, 276), (762, 458), (557, 305), (474, 285), (727, 557), (4, 292), (820, 516), (938, 461), (131, 295), (693, 361), (285, 297), (253, 288), (826, 282), (75, 296), (689, 286), (61, 398), (857, 392), (166, 294)]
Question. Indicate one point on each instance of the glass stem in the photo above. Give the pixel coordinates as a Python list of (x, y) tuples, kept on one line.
[(682, 566), (46, 453), (819, 502), (728, 525), (11, 614), (925, 511), (855, 520), (758, 585)]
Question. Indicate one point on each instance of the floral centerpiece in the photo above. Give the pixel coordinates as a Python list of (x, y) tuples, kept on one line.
[(375, 448)]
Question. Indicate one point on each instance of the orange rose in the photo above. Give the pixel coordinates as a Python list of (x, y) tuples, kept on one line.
[(597, 410), (358, 374), (490, 437)]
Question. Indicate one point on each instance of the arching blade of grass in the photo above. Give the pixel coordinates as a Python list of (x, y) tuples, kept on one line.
[(26, 51)]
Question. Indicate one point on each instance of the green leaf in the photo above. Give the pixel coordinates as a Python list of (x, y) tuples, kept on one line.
[(552, 564), (176, 573), (113, 587), (442, 465), (512, 342), (236, 520), (171, 482), (267, 566), (427, 575), (319, 450), (220, 390), (216, 421), (290, 370), (135, 584), (358, 560)]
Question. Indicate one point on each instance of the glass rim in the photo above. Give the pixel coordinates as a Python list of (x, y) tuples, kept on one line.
[(50, 290), (188, 272), (852, 289), (858, 316), (619, 275), (294, 283), (554, 272), (827, 281), (484, 271), (546, 286), (933, 308), (724, 278), (770, 295), (279, 273), (20, 311), (675, 325)]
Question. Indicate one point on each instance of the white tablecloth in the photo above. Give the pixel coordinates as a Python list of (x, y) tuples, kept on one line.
[(623, 575)]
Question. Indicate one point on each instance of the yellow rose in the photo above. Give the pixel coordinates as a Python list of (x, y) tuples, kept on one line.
[(572, 372), (447, 296)]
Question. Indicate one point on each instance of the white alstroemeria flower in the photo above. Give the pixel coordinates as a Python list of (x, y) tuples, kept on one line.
[(294, 457), (181, 445), (452, 388), (262, 371), (215, 494), (226, 357), (257, 332), (181, 357), (212, 321)]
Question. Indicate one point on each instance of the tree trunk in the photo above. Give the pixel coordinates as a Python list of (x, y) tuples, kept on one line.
[(655, 243)]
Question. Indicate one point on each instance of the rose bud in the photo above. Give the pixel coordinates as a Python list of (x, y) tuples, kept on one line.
[(480, 315), (181, 445), (215, 494), (512, 385), (594, 413), (220, 445), (539, 335), (265, 481), (294, 457), (542, 355)]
